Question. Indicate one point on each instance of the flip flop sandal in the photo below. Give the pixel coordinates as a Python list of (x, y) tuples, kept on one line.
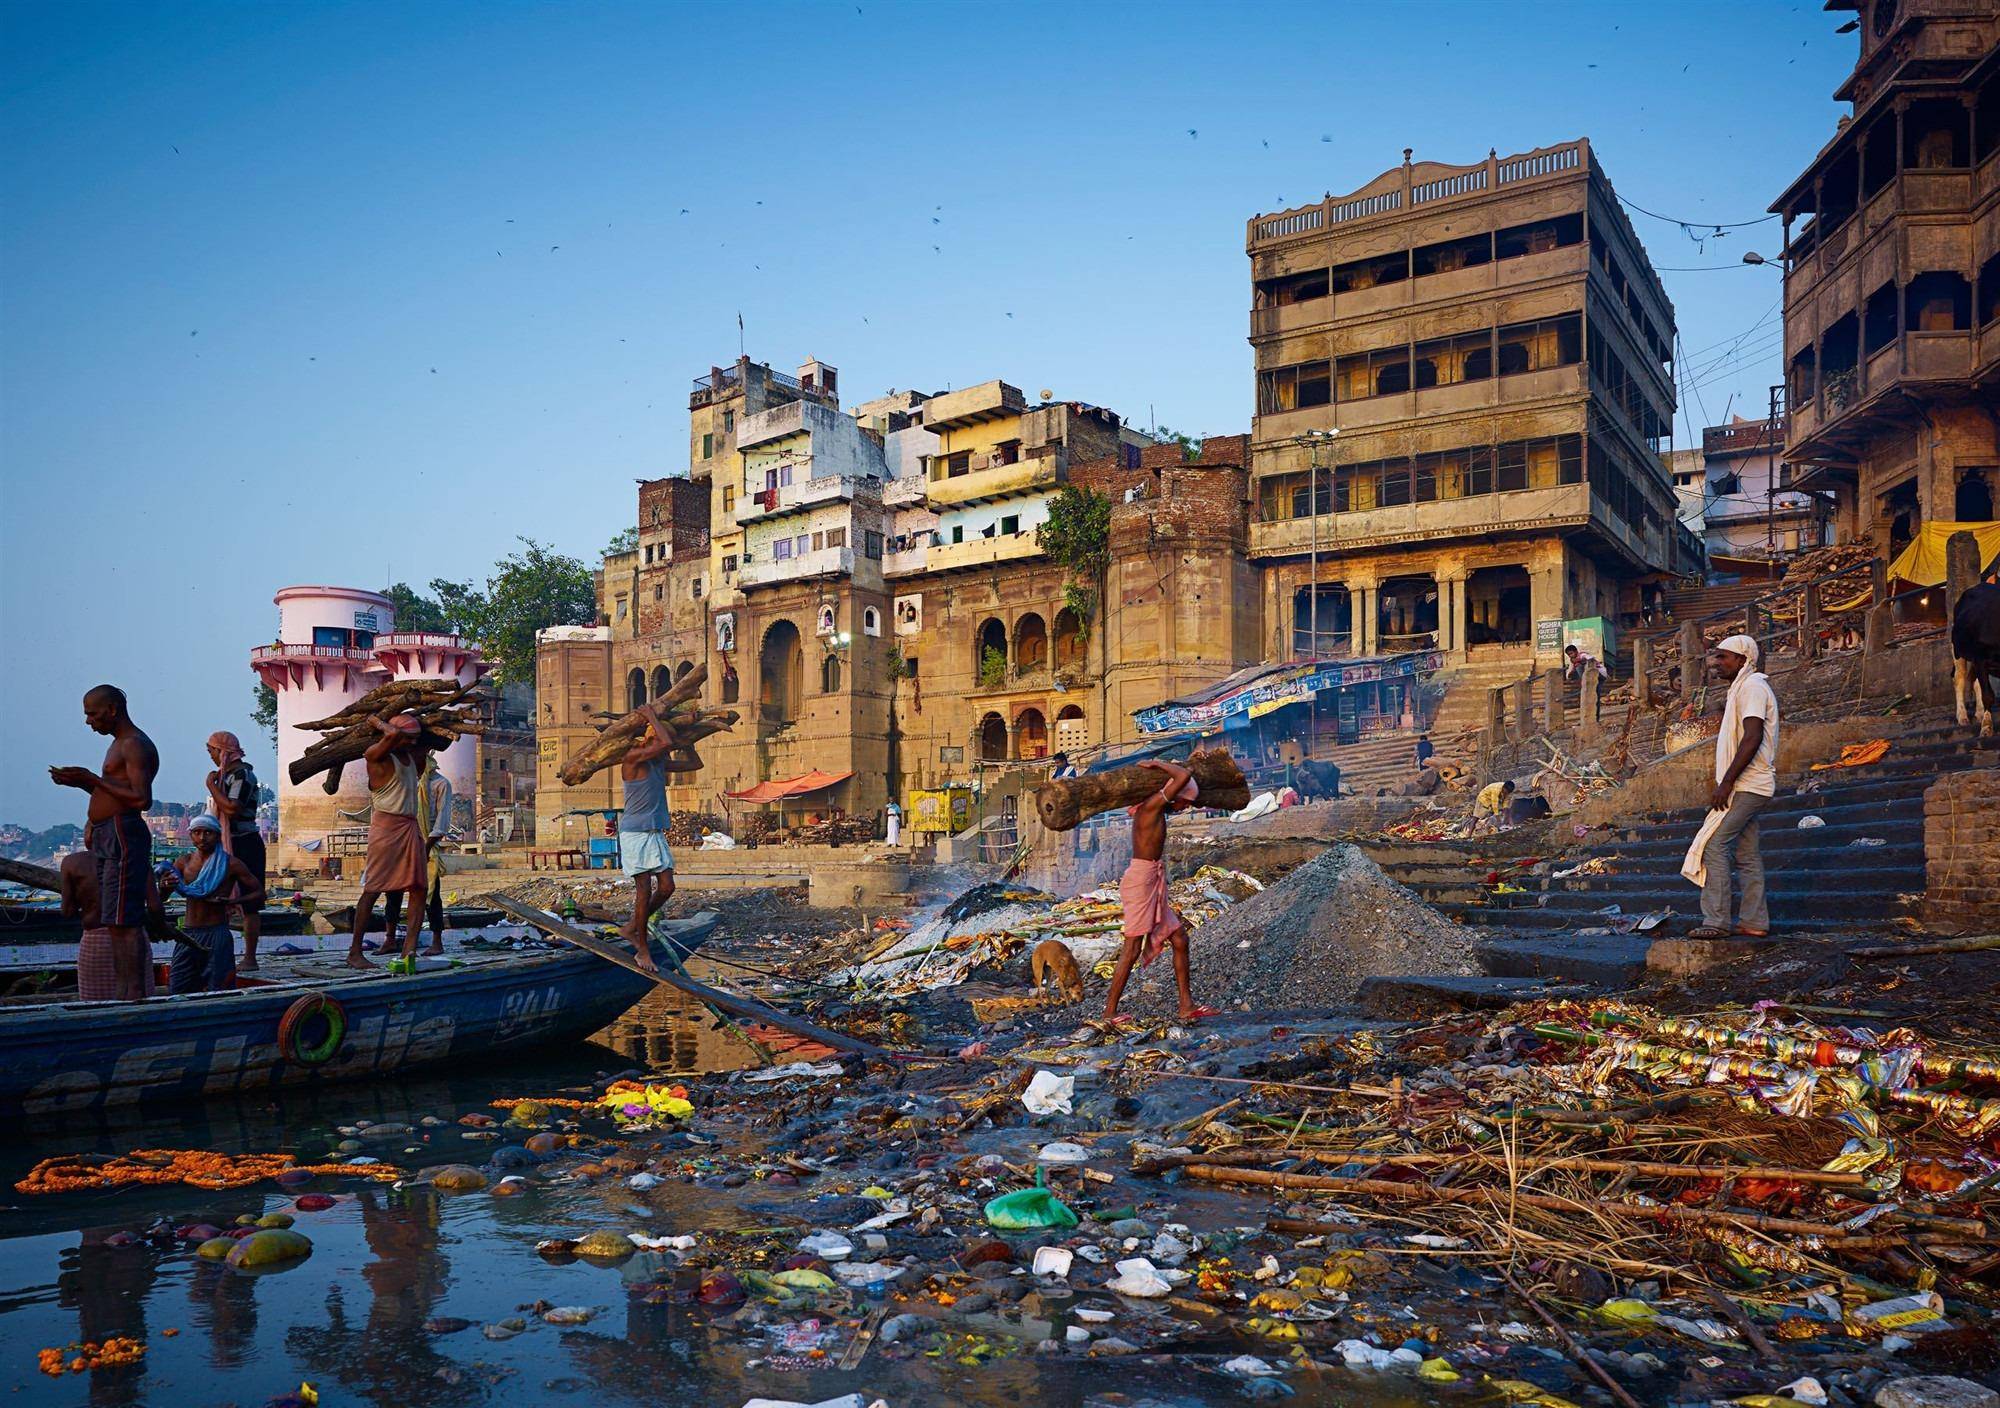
[(1707, 931), (1753, 933), (1202, 1014)]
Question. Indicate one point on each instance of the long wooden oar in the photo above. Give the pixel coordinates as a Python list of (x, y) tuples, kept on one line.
[(724, 1002)]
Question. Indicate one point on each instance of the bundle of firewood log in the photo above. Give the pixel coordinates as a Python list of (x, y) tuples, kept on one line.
[(681, 722), (442, 709), (1064, 802)]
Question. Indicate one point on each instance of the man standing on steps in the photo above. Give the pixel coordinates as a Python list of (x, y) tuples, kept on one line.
[(1746, 778)]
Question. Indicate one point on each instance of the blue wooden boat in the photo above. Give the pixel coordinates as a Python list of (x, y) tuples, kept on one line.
[(68, 1059)]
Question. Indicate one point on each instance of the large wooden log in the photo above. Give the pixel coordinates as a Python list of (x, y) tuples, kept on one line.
[(610, 747), (38, 877), (1063, 802), (339, 749)]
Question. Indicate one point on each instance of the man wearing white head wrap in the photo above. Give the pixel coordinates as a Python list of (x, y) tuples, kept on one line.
[(1746, 778)]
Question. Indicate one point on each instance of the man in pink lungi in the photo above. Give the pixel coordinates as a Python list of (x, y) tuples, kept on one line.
[(1150, 922)]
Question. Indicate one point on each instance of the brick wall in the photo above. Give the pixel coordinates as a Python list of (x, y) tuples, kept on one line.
[(1961, 837)]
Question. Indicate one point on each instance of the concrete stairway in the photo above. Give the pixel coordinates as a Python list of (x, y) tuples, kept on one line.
[(1819, 879), (1387, 761), (1467, 689)]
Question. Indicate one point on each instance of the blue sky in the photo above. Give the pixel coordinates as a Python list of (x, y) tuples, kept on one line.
[(356, 292)]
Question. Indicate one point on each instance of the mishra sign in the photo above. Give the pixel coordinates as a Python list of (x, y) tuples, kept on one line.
[(1260, 697)]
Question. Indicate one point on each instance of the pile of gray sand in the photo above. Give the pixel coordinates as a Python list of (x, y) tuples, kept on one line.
[(1311, 939)]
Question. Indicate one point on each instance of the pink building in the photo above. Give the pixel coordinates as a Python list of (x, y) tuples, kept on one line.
[(334, 645)]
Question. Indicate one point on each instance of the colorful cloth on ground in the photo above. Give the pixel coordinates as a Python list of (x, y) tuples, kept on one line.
[(1749, 697), (122, 849), (396, 852), (97, 969), (204, 960), (1148, 914), (644, 853)]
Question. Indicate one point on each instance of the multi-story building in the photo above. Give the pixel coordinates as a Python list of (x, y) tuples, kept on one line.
[(1011, 657), (803, 644), (1892, 278), (719, 402), (1751, 523), (1462, 392), (575, 691)]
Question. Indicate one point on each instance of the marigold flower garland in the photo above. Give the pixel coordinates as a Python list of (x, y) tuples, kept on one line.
[(199, 1168)]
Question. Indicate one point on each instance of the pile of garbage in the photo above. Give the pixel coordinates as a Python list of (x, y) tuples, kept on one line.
[(995, 922)]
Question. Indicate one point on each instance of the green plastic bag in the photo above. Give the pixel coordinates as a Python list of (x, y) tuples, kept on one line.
[(1026, 1209)]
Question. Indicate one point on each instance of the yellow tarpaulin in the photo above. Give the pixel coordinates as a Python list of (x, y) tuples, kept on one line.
[(1922, 562)]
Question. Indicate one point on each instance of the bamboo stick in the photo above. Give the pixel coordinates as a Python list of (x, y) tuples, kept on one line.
[(1639, 1168), (1425, 1193)]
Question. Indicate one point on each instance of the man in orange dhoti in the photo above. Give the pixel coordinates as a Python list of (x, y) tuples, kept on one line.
[(1150, 923)]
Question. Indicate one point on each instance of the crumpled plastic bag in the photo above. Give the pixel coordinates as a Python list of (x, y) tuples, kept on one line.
[(1049, 1094), (1140, 1278), (1359, 1354), (1026, 1209), (1063, 1152), (1249, 1366), (829, 1245)]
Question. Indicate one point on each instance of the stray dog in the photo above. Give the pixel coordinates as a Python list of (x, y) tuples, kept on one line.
[(1053, 958)]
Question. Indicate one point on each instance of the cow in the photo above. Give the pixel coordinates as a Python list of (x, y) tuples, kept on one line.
[(1975, 654)]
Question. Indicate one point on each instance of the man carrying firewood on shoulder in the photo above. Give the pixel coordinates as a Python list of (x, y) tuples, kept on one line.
[(1150, 922), (642, 834)]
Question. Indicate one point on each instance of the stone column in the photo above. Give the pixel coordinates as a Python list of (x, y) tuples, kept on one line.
[(1809, 622), (1552, 700), (1878, 629), (1586, 707), (1642, 670), (1961, 569), (1524, 710), (1693, 663), (1496, 715), (1453, 598), (1362, 597)]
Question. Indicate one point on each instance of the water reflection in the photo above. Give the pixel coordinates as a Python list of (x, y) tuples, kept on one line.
[(670, 1033)]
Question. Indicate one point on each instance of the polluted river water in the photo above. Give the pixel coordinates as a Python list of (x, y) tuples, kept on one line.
[(409, 1294)]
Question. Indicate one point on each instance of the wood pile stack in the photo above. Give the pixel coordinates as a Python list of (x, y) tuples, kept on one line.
[(442, 708), (681, 721), (834, 831)]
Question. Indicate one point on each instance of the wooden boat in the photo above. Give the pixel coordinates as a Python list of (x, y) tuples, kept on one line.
[(70, 1058), (41, 923)]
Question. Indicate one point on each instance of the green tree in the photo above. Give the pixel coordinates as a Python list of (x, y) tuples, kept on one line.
[(627, 541), (528, 591), (415, 611), (1077, 535), (992, 667), (265, 715), (1190, 444)]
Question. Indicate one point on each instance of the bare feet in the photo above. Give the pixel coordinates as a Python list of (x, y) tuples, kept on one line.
[(436, 950), (355, 960), (247, 966), (643, 956)]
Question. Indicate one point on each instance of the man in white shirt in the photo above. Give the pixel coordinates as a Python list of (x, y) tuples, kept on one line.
[(1746, 778)]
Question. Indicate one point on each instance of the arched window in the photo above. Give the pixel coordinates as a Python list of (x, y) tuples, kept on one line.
[(635, 688), (829, 674), (731, 685), (871, 622), (993, 738), (661, 682), (1031, 735), (780, 673), (1031, 644), (681, 670), (1069, 639), (989, 655)]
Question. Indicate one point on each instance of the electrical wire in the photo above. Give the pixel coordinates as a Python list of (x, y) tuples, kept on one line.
[(1696, 224)]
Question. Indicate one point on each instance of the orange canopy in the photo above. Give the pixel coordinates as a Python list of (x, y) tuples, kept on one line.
[(777, 789)]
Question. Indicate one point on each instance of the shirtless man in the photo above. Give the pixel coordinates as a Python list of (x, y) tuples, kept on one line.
[(1150, 921), (205, 950), (96, 975), (642, 836), (120, 845)]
